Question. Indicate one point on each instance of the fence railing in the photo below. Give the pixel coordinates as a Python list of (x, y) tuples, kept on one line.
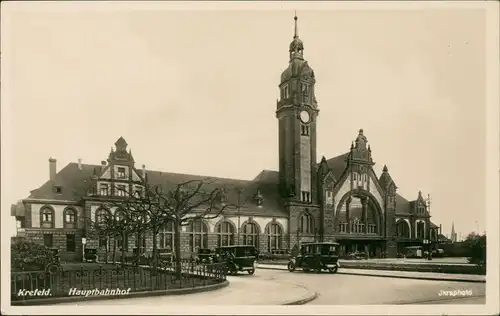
[(80, 280)]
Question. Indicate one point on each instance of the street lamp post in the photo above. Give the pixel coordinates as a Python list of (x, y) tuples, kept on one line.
[(84, 241), (240, 191)]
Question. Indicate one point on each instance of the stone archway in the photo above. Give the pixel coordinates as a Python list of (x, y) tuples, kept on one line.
[(403, 228), (374, 209)]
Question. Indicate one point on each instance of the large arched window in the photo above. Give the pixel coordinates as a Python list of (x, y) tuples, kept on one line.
[(251, 234), (274, 236), (69, 215), (102, 216), (47, 217), (225, 232), (198, 235), (167, 236), (402, 229), (306, 223), (420, 230)]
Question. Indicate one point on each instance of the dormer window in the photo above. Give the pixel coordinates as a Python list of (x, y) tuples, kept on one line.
[(259, 199), (120, 172)]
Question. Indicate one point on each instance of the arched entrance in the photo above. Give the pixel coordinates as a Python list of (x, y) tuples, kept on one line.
[(359, 223)]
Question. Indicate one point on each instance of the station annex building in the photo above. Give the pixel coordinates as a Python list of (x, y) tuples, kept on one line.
[(339, 199)]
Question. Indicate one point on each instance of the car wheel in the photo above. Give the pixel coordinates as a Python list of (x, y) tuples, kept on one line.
[(305, 268), (333, 270), (251, 271), (291, 267)]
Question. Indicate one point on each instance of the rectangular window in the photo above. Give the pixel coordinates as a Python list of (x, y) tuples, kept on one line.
[(121, 190), (70, 243), (304, 130), (48, 240), (120, 174), (122, 242), (138, 192), (103, 242), (286, 92), (104, 189)]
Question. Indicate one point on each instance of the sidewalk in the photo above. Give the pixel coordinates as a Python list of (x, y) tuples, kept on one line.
[(242, 290), (398, 274)]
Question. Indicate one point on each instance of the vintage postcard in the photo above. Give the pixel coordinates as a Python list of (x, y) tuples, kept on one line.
[(250, 158)]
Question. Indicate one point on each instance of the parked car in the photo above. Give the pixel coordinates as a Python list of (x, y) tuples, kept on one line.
[(90, 255), (237, 258), (204, 255), (316, 257)]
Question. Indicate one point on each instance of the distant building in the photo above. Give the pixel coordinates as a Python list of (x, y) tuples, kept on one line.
[(453, 235), (339, 199)]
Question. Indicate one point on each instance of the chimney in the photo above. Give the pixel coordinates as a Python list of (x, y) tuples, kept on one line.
[(52, 168), (103, 163), (80, 164), (143, 171)]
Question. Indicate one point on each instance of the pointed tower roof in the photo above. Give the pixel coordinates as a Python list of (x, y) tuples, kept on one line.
[(298, 66), (385, 179)]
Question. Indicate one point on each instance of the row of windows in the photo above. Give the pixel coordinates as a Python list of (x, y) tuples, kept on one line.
[(198, 236), (120, 190), (357, 177), (47, 218), (304, 91), (403, 229), (358, 228)]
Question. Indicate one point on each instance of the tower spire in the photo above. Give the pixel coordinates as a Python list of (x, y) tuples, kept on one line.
[(296, 33), (296, 46)]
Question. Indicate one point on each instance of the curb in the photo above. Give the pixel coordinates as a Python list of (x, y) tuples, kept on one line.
[(76, 299), (396, 276), (304, 300)]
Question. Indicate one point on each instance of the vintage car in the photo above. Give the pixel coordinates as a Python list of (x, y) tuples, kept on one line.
[(204, 255), (237, 258), (90, 255), (316, 257)]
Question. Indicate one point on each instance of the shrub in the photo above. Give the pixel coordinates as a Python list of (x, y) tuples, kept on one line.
[(476, 249), (29, 256)]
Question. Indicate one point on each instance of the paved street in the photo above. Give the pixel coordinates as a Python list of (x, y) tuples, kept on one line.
[(268, 287), (359, 290)]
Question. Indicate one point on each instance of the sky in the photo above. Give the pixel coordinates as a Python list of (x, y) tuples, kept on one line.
[(194, 91)]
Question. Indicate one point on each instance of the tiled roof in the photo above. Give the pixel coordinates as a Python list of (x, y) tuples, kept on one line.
[(337, 165), (75, 184), (433, 225), (402, 205)]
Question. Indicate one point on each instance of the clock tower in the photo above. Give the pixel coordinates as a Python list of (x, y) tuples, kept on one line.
[(297, 112)]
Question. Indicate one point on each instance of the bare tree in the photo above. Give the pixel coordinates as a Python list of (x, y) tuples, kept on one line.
[(155, 205), (188, 202)]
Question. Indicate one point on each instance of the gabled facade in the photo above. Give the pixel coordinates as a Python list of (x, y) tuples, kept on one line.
[(339, 199)]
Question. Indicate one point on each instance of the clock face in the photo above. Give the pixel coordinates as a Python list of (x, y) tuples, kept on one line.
[(304, 116)]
